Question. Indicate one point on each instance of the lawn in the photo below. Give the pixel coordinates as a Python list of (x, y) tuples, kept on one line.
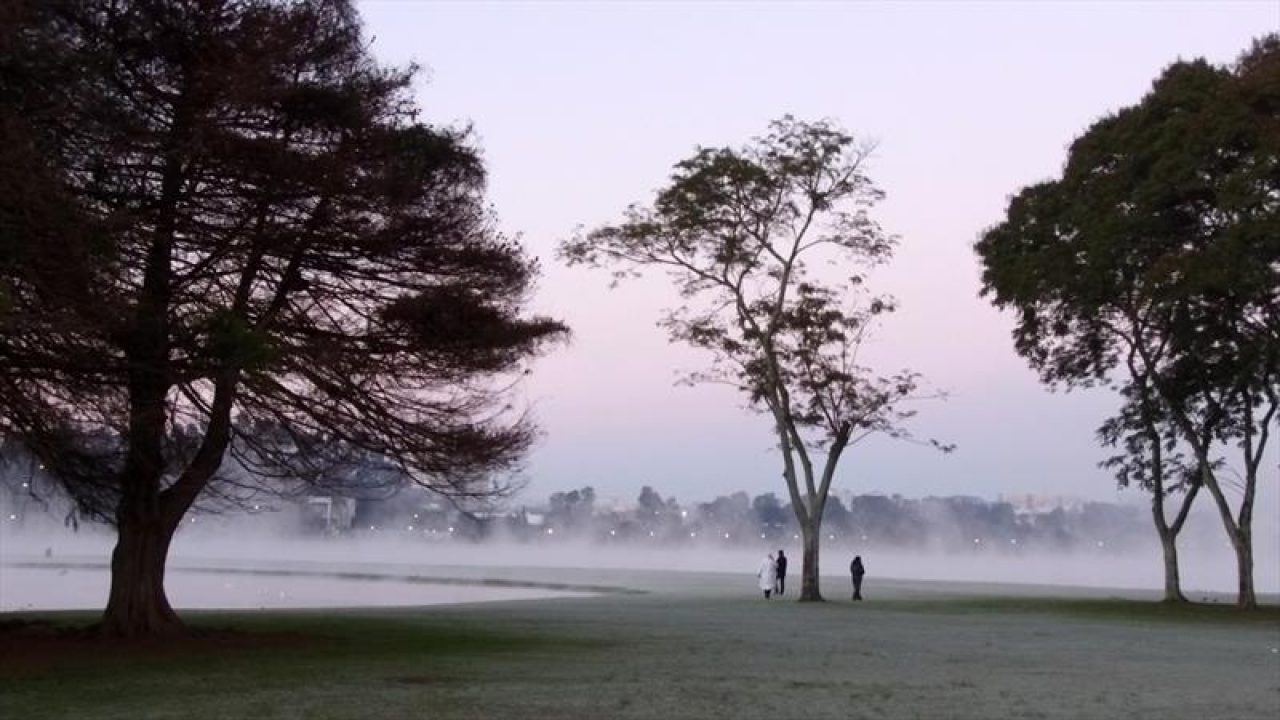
[(690, 647)]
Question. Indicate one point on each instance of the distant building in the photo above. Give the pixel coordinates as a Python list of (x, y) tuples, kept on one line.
[(331, 515), (1032, 504)]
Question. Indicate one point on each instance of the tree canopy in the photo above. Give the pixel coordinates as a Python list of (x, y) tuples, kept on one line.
[(740, 231), (224, 216), (1157, 254)]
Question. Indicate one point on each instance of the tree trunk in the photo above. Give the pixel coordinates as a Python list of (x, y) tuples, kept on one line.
[(809, 590), (1246, 597), (137, 605), (1168, 535), (1240, 533), (1172, 580)]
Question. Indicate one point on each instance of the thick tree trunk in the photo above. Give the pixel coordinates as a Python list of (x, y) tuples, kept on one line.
[(1168, 535), (1246, 597), (1240, 533), (809, 590), (137, 605), (1172, 580)]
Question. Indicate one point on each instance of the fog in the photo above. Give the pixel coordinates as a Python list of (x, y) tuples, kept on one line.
[(59, 587), (44, 565)]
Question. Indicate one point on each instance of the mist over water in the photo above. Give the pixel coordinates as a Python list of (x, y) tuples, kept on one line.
[(45, 566), (58, 587)]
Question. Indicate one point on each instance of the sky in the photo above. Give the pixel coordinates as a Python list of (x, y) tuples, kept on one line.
[(582, 108)]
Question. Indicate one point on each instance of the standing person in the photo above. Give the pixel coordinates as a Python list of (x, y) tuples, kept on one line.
[(767, 575), (780, 566), (856, 571)]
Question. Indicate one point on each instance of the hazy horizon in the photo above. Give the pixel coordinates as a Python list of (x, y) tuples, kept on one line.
[(266, 542)]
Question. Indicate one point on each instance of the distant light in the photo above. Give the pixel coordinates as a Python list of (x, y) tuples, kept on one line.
[(795, 537), (726, 536), (415, 516), (831, 537), (1013, 541), (551, 531), (193, 519), (410, 527), (373, 527), (255, 507), (1100, 543), (693, 534), (13, 517), (977, 541), (26, 485), (450, 529), (613, 532), (650, 533), (761, 536), (684, 513)]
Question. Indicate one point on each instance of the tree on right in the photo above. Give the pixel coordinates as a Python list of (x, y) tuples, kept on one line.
[(1153, 265)]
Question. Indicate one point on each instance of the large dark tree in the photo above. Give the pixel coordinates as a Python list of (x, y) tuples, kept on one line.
[(222, 216), (741, 232), (1155, 262)]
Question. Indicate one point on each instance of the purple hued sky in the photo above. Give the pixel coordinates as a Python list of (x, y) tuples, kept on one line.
[(582, 108)]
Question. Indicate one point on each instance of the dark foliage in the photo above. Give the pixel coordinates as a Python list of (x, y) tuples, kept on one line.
[(741, 232), (220, 216), (1154, 263)]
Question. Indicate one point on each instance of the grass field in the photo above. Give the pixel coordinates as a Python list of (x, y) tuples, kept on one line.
[(691, 646)]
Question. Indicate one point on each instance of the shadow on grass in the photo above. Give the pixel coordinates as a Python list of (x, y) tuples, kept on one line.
[(33, 644), (252, 665), (1119, 609)]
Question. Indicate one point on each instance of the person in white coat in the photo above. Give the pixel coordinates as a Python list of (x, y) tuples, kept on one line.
[(767, 574)]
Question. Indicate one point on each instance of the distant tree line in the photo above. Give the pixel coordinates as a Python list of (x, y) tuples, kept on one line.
[(956, 523), (949, 523), (382, 501)]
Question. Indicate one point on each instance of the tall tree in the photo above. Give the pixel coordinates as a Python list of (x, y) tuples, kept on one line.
[(1160, 247), (224, 216), (739, 231)]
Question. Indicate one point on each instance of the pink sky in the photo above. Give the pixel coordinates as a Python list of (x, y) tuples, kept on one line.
[(582, 108)]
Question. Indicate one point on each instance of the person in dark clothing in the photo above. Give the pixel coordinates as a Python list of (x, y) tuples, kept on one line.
[(856, 571), (780, 568)]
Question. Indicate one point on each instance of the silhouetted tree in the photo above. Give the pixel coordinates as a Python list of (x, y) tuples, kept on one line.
[(658, 518), (880, 518), (222, 215), (769, 511), (727, 516), (1158, 252), (836, 516), (738, 230), (572, 510), (649, 502)]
